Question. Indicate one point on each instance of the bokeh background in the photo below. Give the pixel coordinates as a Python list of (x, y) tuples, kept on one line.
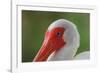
[(35, 24)]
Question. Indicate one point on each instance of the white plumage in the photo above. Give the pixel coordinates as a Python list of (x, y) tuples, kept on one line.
[(82, 56), (72, 37), (61, 42)]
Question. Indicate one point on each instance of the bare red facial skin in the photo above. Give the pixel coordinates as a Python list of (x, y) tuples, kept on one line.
[(53, 41)]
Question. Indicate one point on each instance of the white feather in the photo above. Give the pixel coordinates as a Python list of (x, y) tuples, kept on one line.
[(83, 56), (71, 36)]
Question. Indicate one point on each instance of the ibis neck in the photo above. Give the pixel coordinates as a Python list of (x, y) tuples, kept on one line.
[(72, 39), (65, 53), (68, 51)]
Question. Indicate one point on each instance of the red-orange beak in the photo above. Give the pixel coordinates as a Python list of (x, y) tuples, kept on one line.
[(53, 41), (44, 51)]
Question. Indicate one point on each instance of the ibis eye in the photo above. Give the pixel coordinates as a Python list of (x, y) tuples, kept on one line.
[(58, 34)]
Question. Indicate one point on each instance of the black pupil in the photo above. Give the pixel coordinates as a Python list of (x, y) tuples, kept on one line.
[(58, 34)]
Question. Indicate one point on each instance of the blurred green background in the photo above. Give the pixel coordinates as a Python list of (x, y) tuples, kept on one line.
[(35, 23)]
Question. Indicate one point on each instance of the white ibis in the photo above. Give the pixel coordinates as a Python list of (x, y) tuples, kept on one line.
[(61, 42)]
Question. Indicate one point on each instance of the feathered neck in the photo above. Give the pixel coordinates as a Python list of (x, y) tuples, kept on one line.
[(71, 37)]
